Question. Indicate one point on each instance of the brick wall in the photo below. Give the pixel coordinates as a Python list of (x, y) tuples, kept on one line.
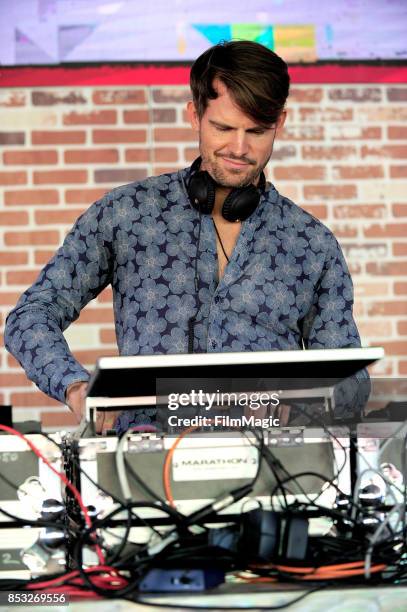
[(342, 156)]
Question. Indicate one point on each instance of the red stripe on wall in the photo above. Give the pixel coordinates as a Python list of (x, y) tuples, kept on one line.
[(125, 74)]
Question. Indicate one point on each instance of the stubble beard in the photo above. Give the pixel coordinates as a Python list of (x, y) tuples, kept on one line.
[(225, 179)]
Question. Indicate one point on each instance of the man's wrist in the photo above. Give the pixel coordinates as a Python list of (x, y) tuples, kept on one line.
[(76, 385)]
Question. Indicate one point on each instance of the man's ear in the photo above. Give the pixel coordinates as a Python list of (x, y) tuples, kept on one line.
[(281, 120), (193, 116)]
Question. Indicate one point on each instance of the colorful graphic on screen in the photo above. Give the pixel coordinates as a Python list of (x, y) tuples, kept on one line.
[(61, 31)]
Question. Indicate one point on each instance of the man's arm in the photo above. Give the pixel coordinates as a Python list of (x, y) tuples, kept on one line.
[(330, 324), (77, 273)]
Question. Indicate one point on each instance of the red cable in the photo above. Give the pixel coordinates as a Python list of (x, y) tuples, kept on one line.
[(62, 477)]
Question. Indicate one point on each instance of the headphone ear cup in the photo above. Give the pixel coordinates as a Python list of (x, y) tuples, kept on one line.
[(201, 192), (241, 203)]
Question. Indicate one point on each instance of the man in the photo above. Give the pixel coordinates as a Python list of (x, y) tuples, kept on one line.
[(255, 272)]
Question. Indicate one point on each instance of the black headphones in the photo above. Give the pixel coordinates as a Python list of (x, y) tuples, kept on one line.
[(239, 204)]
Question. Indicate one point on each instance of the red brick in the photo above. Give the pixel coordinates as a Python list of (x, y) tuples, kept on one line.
[(400, 249), (397, 94), (330, 192), (8, 298), (389, 230), (325, 114), (28, 400), (96, 315), (345, 231), (319, 211), (164, 115), (356, 94), (397, 132), (375, 328), (395, 348), (21, 277), (57, 419), (191, 153), (13, 178), (165, 169), (11, 99), (359, 211), (12, 138), (171, 94), (60, 177), (387, 268), (306, 94), (392, 151), (50, 98), (91, 156), (13, 258), (12, 363), (42, 257), (388, 309), (371, 289), (357, 172), (352, 131), (403, 368), (399, 210), (402, 328), (302, 132), (136, 116), (400, 289), (174, 134), (30, 157), (119, 96), (327, 152), (13, 218), (84, 196), (138, 155), (89, 357), (107, 336), (101, 117), (52, 217), (31, 197), (40, 137), (11, 379), (31, 238), (165, 154), (117, 136), (376, 113), (106, 296), (398, 171), (294, 173), (120, 175)]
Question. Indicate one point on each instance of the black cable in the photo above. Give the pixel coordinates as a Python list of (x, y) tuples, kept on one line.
[(218, 608), (404, 464), (220, 241), (192, 320)]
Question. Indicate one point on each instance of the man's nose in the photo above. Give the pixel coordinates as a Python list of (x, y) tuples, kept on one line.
[(239, 144)]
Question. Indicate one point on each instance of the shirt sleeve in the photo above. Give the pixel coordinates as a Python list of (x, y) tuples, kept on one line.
[(77, 273), (330, 324)]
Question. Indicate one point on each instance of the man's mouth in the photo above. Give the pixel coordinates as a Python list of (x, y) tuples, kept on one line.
[(235, 163)]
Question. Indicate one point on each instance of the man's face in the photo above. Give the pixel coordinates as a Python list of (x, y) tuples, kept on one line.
[(234, 149)]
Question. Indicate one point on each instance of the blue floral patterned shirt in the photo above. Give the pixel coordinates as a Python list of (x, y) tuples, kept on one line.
[(287, 283)]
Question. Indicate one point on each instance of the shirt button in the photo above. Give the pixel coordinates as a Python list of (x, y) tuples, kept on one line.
[(214, 343), (216, 299)]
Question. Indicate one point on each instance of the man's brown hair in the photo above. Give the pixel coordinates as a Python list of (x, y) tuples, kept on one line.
[(256, 77)]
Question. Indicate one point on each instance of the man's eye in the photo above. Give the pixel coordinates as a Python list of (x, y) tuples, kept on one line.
[(220, 128)]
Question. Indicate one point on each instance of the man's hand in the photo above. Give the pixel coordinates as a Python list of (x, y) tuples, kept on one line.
[(76, 401), (75, 398)]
